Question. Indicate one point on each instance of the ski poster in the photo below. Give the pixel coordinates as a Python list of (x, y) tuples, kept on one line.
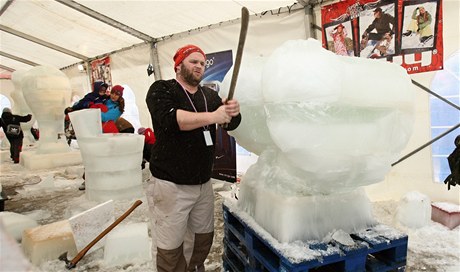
[(217, 66), (100, 71), (405, 32)]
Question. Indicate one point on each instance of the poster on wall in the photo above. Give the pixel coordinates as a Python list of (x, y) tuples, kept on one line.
[(217, 66), (100, 70), (405, 32)]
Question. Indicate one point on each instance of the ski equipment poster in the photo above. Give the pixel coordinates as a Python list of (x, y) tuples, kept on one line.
[(405, 32), (217, 66)]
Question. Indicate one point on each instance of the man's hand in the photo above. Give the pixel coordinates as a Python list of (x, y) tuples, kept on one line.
[(232, 107), (229, 109)]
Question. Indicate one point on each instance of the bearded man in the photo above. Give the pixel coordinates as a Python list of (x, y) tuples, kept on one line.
[(180, 194)]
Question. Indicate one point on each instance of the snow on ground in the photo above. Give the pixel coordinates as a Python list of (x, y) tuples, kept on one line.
[(52, 195)]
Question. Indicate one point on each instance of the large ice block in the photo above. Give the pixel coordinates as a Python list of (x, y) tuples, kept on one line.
[(414, 210), (289, 217), (48, 242), (112, 161), (323, 125), (86, 226), (11, 256), (129, 243), (86, 123), (15, 223)]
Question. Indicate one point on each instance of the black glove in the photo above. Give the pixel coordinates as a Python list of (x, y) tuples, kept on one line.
[(364, 35), (418, 29), (67, 110)]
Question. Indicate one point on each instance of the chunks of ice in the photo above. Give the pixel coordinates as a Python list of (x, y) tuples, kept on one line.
[(15, 223), (414, 210)]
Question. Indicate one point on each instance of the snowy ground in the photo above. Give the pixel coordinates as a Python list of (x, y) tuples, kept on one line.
[(52, 195)]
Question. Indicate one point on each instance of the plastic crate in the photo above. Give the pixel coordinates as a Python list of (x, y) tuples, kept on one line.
[(245, 250)]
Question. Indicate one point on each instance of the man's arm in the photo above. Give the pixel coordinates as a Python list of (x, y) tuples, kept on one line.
[(191, 120)]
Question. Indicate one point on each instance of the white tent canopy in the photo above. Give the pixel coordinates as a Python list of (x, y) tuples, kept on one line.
[(64, 32)]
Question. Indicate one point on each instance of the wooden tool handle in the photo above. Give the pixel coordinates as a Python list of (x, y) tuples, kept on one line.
[(239, 54), (82, 253)]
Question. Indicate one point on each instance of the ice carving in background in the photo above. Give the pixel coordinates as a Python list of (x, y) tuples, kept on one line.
[(47, 92), (131, 112), (21, 107), (323, 125), (414, 210), (112, 161)]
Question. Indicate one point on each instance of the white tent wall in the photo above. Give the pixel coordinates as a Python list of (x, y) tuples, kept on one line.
[(79, 81), (265, 34), (130, 68)]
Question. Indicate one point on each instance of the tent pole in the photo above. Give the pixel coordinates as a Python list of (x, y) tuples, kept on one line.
[(308, 20), (155, 61)]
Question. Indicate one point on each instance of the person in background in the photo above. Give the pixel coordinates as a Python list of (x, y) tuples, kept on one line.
[(338, 35), (111, 109), (180, 194), (97, 96), (381, 24), (11, 124), (454, 165), (420, 24), (124, 126), (149, 140)]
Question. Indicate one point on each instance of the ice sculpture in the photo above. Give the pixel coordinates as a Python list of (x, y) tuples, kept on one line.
[(112, 161), (323, 125), (21, 107), (47, 92)]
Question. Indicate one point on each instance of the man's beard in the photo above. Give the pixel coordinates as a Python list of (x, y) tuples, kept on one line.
[(189, 77)]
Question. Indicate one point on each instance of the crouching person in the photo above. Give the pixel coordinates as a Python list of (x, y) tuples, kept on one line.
[(180, 194)]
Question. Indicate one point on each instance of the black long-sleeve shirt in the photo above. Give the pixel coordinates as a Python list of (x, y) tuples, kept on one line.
[(179, 156)]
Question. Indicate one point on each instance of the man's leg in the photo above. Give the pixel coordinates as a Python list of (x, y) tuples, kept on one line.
[(171, 260), (169, 205), (201, 222), (201, 248)]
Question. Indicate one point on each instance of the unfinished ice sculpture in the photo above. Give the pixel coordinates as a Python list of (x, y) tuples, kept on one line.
[(323, 126), (21, 107), (112, 161), (47, 91)]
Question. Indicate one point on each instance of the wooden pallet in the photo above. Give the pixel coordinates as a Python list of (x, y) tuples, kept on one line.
[(245, 250)]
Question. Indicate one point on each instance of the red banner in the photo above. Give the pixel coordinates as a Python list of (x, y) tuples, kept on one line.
[(406, 32), (100, 71)]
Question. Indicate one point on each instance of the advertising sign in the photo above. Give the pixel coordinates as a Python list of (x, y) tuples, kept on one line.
[(217, 66), (405, 32)]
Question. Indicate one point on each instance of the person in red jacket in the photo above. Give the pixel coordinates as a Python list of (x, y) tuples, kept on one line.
[(148, 143)]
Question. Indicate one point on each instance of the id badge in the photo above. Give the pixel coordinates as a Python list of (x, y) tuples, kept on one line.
[(207, 137)]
